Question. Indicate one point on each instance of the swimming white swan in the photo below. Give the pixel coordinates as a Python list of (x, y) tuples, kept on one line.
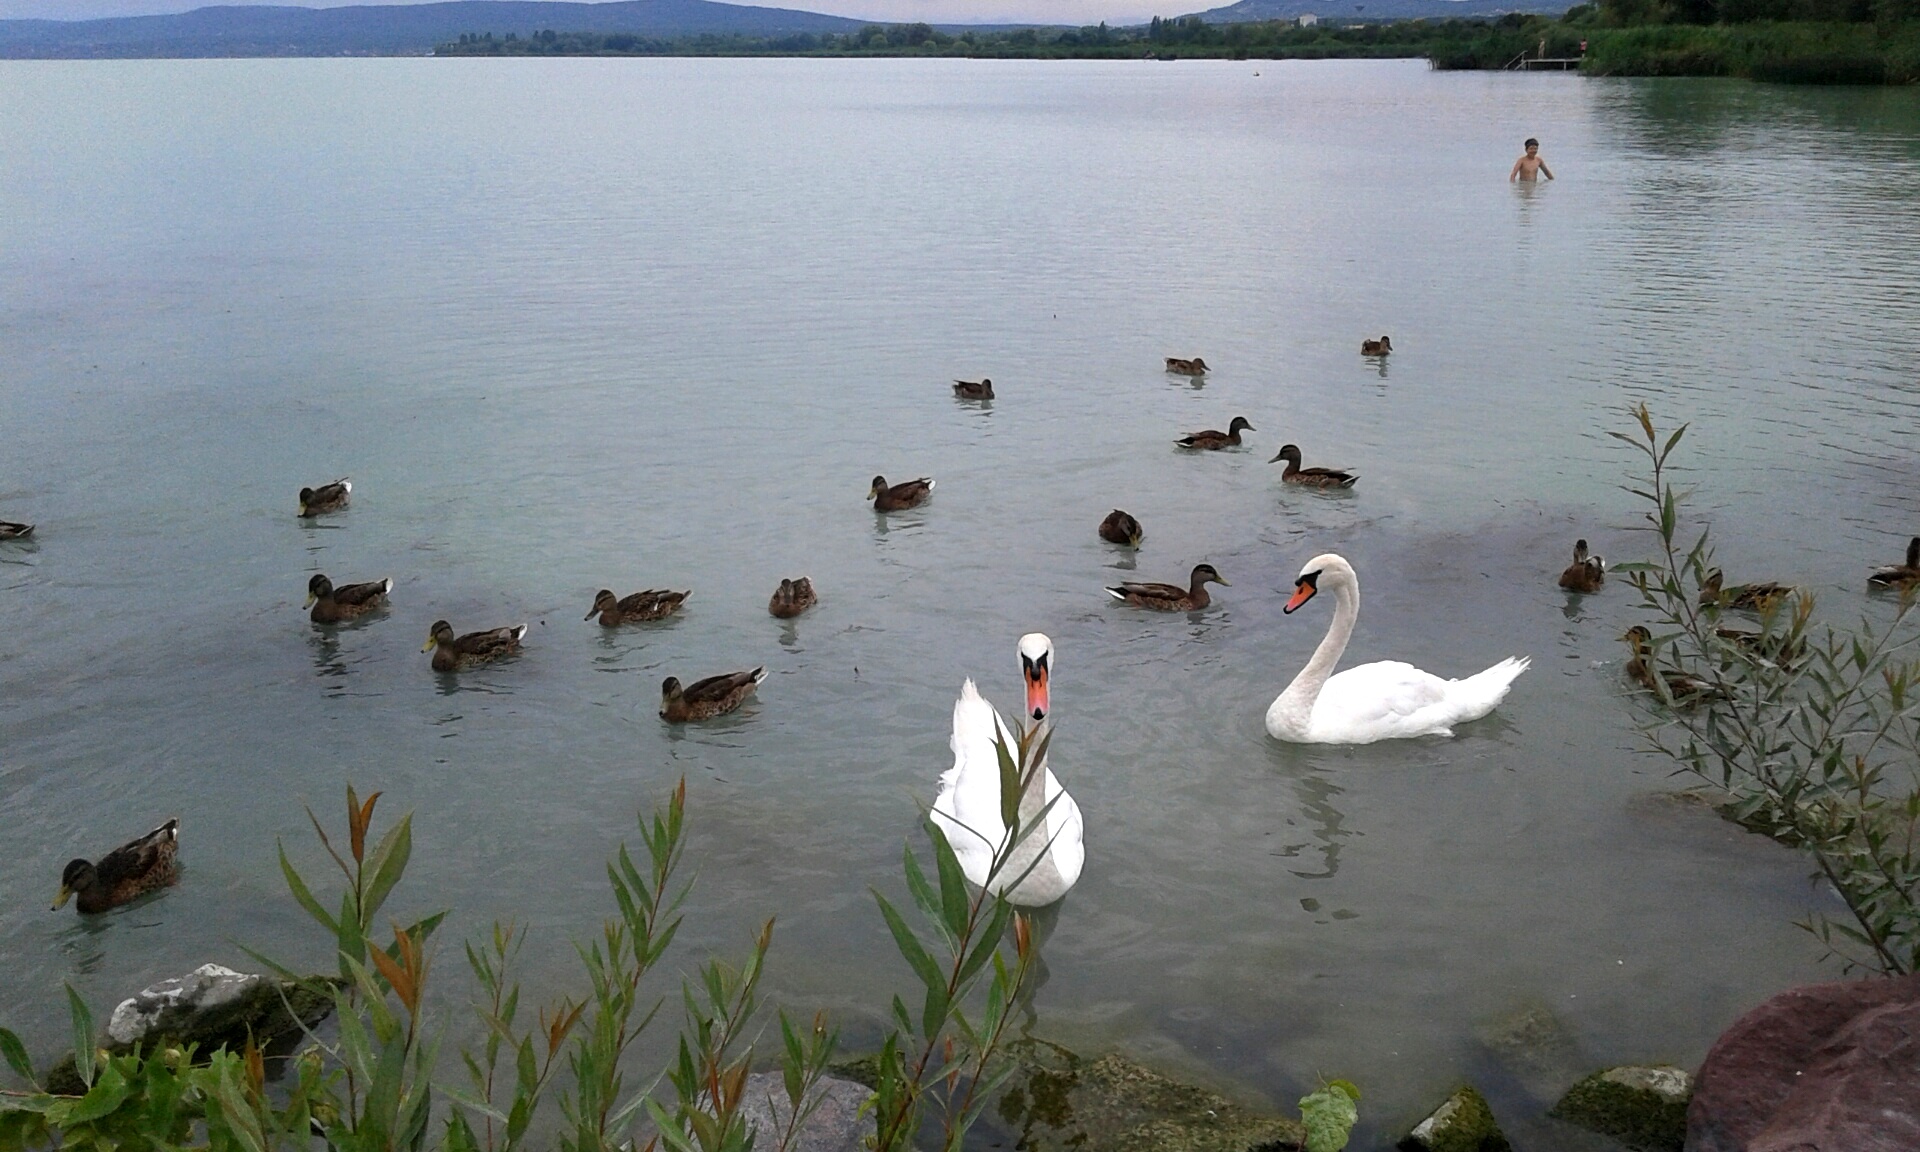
[(968, 806), (1387, 700)]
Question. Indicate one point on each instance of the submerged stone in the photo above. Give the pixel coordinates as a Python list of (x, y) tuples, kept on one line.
[(1059, 1101), (1644, 1108), (1463, 1123)]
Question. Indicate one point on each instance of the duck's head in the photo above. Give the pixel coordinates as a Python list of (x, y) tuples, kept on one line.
[(1913, 552), (1289, 453), (669, 692), (318, 588), (603, 600), (1323, 572), (1206, 574), (440, 633), (1240, 425), (79, 874), (879, 486), (306, 498), (1386, 343), (1036, 668), (1638, 637), (1199, 363)]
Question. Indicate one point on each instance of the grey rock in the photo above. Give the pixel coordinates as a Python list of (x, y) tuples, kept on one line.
[(834, 1125), (210, 1007), (1643, 1107), (172, 1006), (1463, 1123)]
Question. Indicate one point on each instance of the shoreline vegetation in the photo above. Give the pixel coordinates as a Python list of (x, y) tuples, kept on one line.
[(1785, 41)]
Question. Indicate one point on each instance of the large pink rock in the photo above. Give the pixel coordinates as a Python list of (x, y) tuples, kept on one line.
[(1824, 1068)]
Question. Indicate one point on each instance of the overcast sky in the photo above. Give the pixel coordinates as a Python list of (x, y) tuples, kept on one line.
[(932, 11)]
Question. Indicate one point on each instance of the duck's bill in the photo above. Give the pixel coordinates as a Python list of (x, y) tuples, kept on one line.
[(310, 599), (60, 901), (428, 646), (1222, 580), (1302, 592), (591, 613)]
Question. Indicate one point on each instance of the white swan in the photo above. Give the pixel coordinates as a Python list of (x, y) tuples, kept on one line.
[(1387, 700), (968, 806)]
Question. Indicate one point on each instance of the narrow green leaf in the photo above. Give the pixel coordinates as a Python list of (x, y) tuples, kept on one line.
[(387, 864), (1009, 782), (953, 883), (16, 1057), (102, 1099), (303, 896), (909, 945), (82, 1021)]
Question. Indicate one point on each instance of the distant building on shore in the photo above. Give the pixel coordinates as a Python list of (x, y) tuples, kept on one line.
[(1307, 20)]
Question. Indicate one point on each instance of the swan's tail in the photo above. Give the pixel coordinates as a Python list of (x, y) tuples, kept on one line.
[(1479, 694)]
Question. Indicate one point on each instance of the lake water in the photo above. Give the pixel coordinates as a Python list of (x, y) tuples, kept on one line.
[(640, 323)]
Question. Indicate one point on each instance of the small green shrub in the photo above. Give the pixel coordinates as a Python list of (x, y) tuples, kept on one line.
[(1813, 734)]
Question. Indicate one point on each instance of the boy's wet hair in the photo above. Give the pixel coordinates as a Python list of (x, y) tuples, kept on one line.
[(1532, 143)]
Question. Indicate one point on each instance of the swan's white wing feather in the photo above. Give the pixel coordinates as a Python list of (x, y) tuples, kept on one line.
[(968, 804), (1378, 693)]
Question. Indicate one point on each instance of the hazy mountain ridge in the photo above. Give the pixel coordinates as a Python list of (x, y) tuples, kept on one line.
[(1248, 10), (387, 29)]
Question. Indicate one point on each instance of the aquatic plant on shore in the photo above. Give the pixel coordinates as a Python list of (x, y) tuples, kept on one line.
[(1812, 733), (377, 1085)]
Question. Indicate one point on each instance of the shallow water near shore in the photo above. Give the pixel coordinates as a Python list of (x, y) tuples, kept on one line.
[(656, 323)]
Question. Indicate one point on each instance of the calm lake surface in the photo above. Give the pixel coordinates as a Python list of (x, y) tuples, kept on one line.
[(641, 323)]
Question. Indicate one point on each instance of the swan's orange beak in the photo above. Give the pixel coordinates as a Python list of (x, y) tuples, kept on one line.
[(1302, 592), (1037, 691)]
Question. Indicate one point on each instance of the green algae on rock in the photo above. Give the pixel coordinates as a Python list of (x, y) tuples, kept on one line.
[(1644, 1108), (1463, 1124), (1059, 1101)]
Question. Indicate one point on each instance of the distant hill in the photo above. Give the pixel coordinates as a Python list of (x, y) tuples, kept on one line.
[(1247, 10), (387, 30)]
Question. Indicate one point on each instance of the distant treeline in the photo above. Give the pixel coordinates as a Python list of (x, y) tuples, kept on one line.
[(1797, 41)]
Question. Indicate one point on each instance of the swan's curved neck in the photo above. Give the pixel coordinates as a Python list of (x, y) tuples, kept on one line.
[(1300, 695)]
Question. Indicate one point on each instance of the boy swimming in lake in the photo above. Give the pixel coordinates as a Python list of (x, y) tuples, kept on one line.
[(1530, 166)]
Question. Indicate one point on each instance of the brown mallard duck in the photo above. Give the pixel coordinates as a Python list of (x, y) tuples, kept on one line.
[(1586, 573), (1212, 439), (981, 389), (451, 653), (1311, 477), (1193, 367), (9, 530), (652, 604), (1680, 686), (1778, 647), (1762, 597), (326, 498), (1120, 528), (908, 494), (348, 602), (792, 598), (702, 699), (126, 873), (1893, 576), (1171, 597), (1380, 347)]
